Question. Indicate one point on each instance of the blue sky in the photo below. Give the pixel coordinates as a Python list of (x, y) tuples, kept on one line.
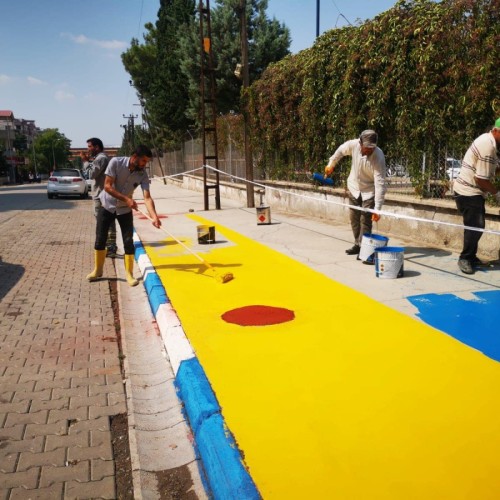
[(60, 59)]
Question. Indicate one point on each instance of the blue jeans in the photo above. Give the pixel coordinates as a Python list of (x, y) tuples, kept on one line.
[(472, 209), (104, 221)]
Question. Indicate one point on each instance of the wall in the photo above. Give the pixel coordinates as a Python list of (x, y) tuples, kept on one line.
[(328, 203)]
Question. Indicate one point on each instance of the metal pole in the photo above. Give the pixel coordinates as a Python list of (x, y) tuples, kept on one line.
[(53, 156), (317, 18), (246, 83)]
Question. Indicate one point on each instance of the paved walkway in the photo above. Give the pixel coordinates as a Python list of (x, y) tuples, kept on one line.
[(61, 384), (59, 363), (60, 376), (384, 388)]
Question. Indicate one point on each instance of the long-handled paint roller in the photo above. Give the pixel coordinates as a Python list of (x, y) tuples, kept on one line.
[(221, 278)]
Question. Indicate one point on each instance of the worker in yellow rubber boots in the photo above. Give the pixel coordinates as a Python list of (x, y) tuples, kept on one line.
[(123, 175)]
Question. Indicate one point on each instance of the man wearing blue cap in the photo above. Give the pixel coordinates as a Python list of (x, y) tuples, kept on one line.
[(479, 167)]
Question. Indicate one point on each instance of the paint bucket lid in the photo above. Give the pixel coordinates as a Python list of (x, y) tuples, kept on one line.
[(374, 236), (390, 249)]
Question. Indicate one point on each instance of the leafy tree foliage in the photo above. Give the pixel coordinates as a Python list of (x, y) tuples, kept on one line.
[(423, 74), (165, 69), (52, 149), (268, 41), (155, 67)]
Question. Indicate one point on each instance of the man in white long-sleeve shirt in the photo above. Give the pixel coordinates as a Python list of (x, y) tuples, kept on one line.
[(366, 182)]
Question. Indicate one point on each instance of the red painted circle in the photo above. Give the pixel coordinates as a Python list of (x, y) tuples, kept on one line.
[(258, 316)]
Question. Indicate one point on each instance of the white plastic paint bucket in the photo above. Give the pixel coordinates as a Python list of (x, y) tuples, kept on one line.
[(206, 234), (369, 243), (263, 215), (389, 262)]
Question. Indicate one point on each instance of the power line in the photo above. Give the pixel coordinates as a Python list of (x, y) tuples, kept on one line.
[(340, 14)]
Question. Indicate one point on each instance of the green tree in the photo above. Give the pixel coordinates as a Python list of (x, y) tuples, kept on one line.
[(423, 74), (165, 69), (155, 68), (268, 42), (52, 150)]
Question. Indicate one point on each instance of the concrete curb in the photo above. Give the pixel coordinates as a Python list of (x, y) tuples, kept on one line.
[(226, 473)]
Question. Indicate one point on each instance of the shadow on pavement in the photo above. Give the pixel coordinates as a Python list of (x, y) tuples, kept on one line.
[(33, 197), (10, 274)]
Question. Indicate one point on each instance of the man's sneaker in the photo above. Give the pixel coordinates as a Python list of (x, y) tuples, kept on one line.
[(353, 251), (465, 266), (111, 251)]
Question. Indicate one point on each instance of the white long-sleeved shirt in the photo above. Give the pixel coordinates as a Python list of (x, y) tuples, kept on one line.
[(367, 176)]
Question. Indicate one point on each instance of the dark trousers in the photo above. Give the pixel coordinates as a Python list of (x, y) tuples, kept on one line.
[(104, 221), (361, 222), (471, 208)]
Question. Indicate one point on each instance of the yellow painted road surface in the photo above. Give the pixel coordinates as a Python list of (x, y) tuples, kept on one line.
[(351, 399)]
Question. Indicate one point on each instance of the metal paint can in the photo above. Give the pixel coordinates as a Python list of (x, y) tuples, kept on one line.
[(389, 262), (369, 243), (263, 215), (206, 234)]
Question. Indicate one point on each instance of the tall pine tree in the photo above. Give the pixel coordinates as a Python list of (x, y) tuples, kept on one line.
[(166, 69), (155, 69)]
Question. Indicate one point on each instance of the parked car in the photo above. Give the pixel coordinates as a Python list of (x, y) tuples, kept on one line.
[(88, 180), (396, 170), (452, 168), (67, 181)]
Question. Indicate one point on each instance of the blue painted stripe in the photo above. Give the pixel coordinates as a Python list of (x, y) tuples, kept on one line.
[(139, 249), (155, 290), (195, 391), (227, 475)]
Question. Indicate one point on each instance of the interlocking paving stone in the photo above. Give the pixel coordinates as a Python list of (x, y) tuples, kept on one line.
[(60, 375), (50, 493)]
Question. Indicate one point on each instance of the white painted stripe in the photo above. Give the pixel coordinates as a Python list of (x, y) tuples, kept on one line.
[(176, 343)]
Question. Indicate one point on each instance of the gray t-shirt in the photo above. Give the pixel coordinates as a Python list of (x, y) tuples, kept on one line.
[(95, 170), (125, 183)]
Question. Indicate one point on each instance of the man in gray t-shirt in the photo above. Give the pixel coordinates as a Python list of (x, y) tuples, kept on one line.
[(95, 163), (123, 175)]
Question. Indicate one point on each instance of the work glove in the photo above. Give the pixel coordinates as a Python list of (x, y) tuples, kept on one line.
[(328, 171), (375, 217)]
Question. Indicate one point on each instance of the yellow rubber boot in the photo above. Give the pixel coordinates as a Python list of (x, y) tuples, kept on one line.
[(99, 257), (129, 270)]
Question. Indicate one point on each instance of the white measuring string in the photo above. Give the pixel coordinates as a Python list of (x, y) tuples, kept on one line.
[(351, 207)]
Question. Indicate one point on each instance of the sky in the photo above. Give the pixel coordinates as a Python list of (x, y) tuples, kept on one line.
[(60, 61)]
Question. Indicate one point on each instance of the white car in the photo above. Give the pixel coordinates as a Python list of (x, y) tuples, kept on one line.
[(67, 181), (452, 168), (88, 180)]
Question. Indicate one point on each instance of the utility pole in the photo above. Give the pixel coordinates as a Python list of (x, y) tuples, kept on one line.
[(131, 129), (145, 118), (317, 18), (246, 84)]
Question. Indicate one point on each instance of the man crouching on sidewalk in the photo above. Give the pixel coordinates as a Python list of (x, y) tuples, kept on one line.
[(123, 175)]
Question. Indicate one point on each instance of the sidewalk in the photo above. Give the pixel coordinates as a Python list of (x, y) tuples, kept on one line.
[(64, 398), (63, 393), (61, 383), (320, 244), (276, 387)]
